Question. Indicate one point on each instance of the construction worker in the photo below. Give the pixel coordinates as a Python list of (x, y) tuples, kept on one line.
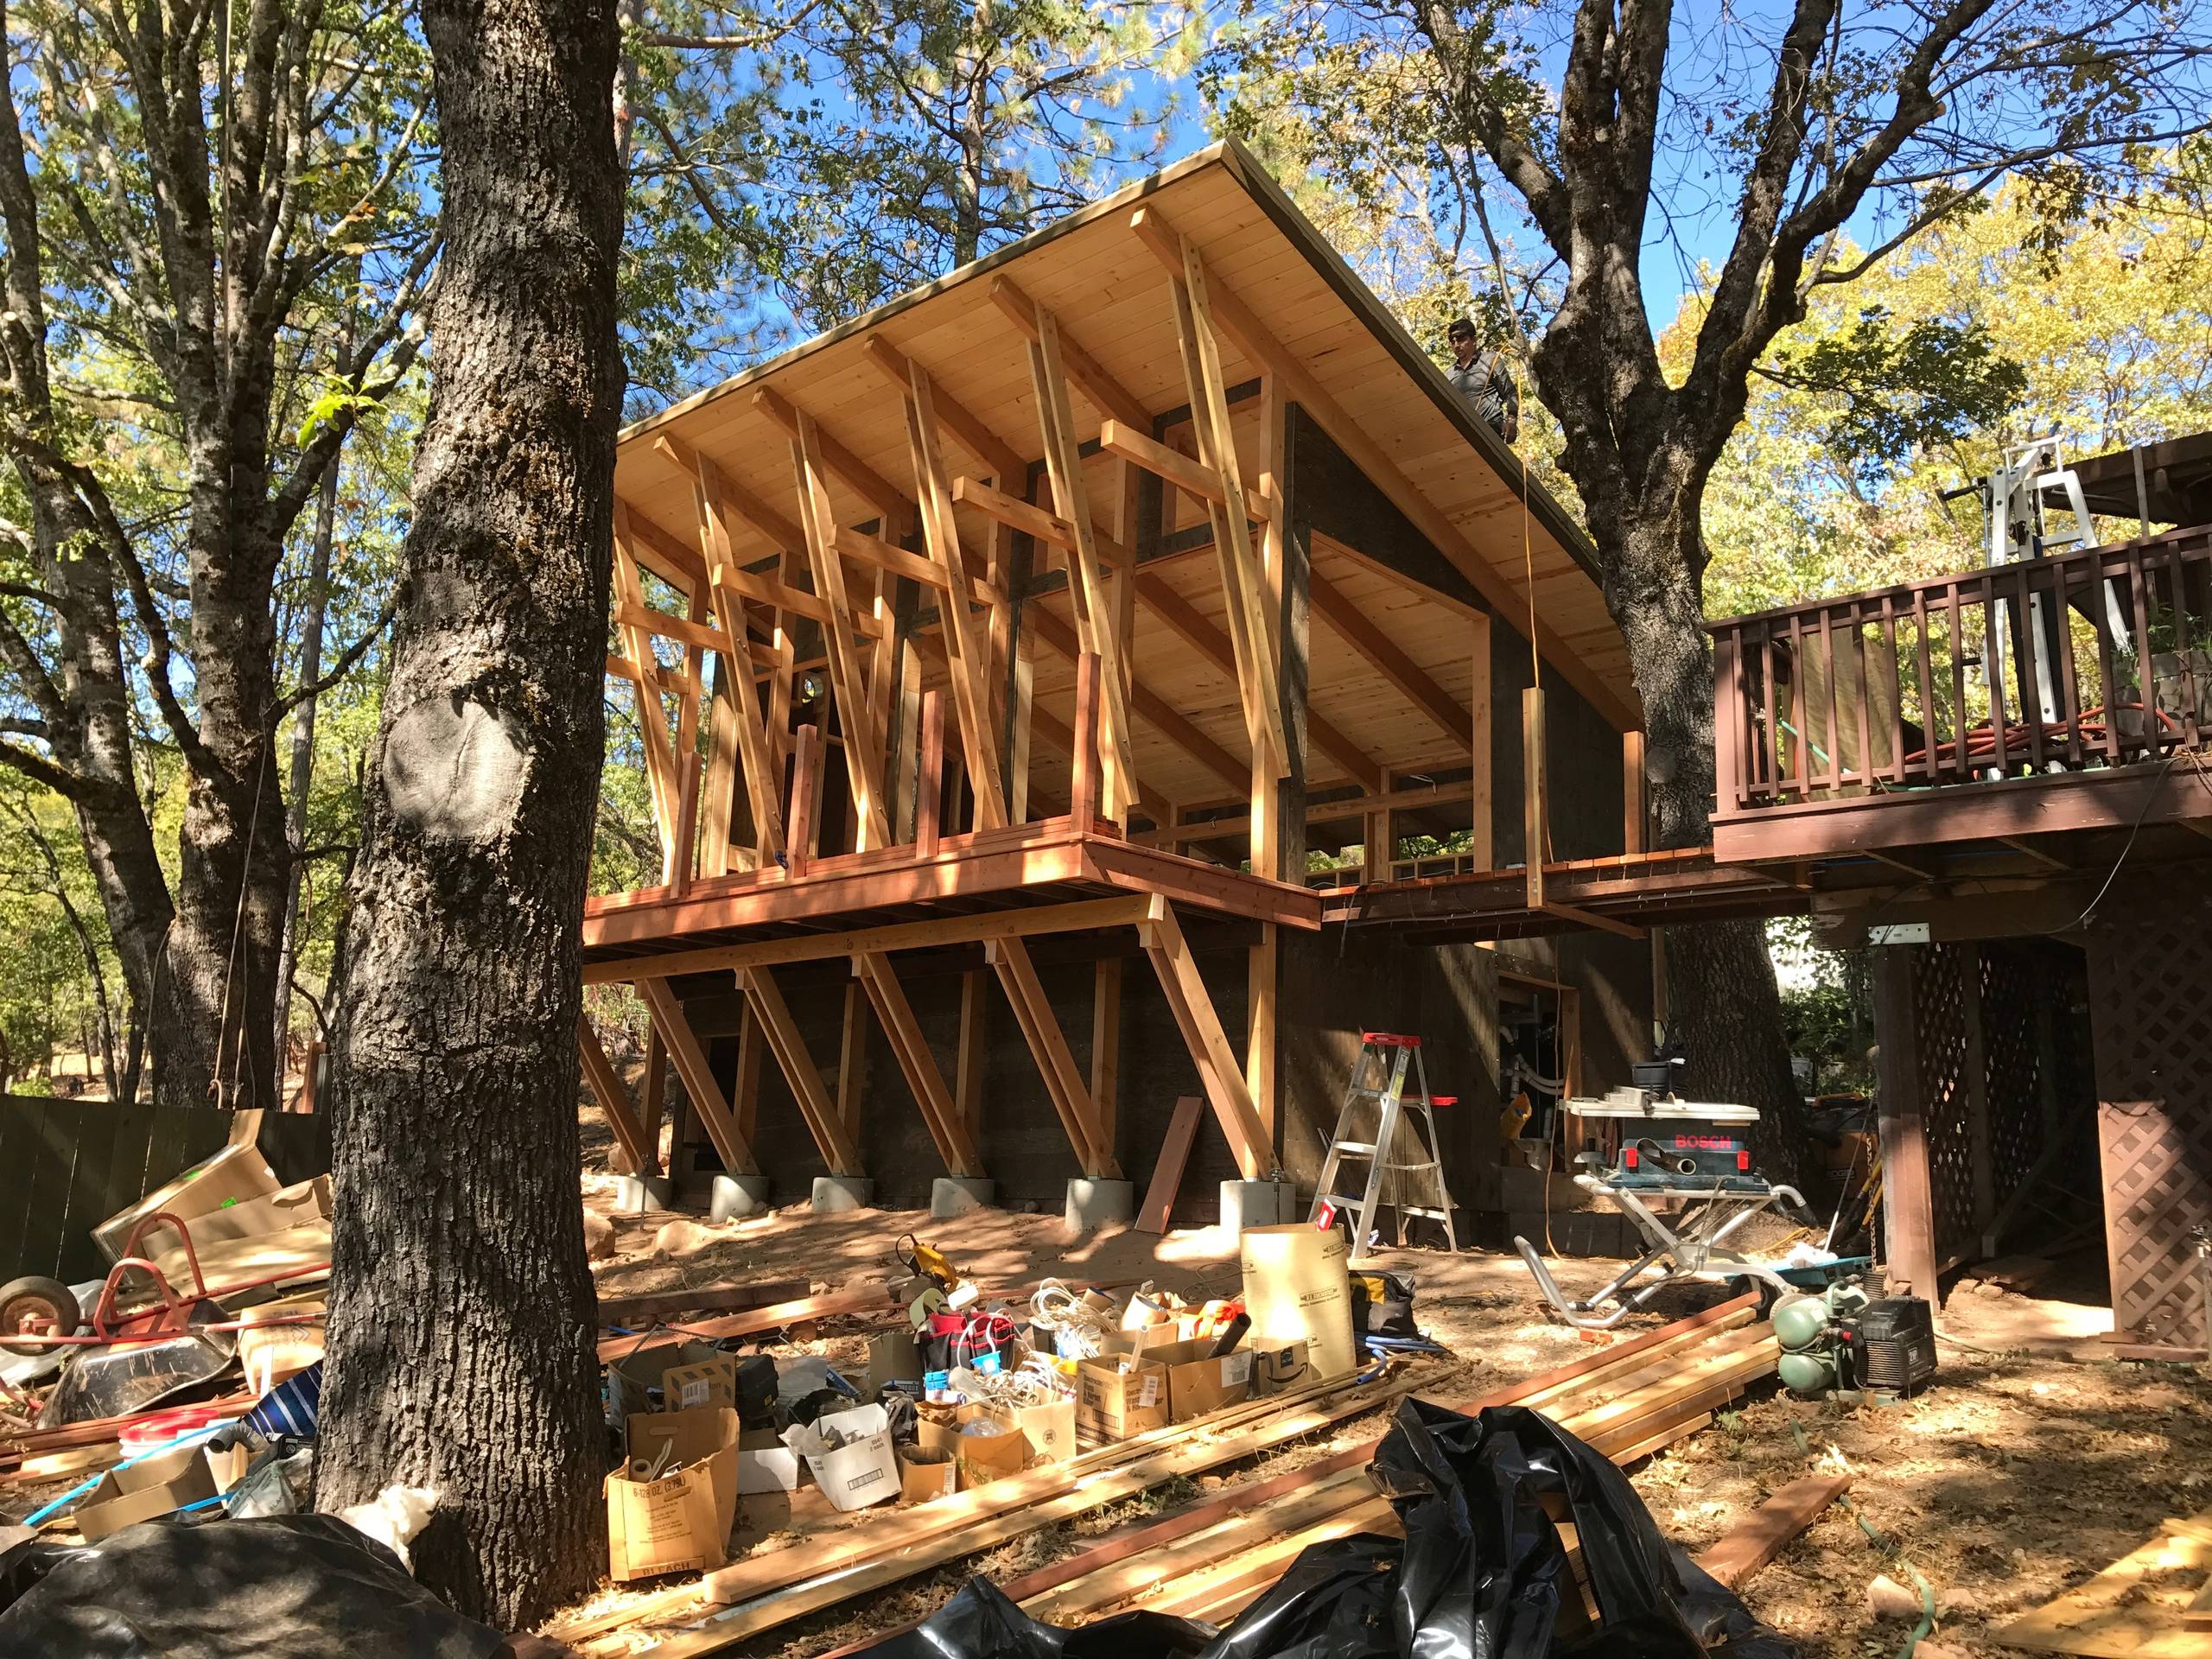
[(1483, 379)]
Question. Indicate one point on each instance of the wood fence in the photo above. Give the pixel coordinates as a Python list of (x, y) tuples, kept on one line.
[(66, 1166)]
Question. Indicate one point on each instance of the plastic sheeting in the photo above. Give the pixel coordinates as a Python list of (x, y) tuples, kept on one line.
[(305, 1587), (1480, 1573)]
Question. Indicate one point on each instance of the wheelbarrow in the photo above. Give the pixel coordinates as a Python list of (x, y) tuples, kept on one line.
[(129, 1361)]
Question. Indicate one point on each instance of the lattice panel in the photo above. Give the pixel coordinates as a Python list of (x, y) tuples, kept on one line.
[(2018, 984), (2151, 1018), (1939, 1020)]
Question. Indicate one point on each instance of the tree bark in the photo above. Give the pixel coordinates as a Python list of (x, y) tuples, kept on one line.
[(462, 1315)]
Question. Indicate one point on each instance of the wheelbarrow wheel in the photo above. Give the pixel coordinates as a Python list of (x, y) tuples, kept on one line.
[(34, 1305)]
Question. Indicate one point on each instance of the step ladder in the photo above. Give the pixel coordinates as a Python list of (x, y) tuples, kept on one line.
[(1378, 1090)]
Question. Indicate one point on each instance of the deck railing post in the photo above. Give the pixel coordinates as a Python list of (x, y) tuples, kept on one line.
[(1084, 783)]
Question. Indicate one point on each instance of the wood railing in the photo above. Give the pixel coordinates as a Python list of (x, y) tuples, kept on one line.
[(2090, 659)]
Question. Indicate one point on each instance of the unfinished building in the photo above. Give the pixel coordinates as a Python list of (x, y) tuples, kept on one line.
[(1039, 679)]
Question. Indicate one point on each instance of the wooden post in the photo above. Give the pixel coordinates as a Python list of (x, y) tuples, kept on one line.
[(929, 789), (655, 1098), (806, 776), (1634, 811), (719, 804), (967, 1078), (1908, 1194), (734, 1148), (1482, 812), (1105, 1043), (852, 1060), (1121, 594), (1025, 671), (1534, 816), (1083, 782), (1216, 1063), (745, 1105), (1259, 1030)]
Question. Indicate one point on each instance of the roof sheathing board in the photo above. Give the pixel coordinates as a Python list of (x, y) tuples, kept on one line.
[(1110, 296)]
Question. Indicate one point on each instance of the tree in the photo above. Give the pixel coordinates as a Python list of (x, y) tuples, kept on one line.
[(1777, 133), (188, 211), (462, 1313)]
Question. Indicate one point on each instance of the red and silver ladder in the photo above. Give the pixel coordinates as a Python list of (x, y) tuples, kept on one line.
[(1403, 1161)]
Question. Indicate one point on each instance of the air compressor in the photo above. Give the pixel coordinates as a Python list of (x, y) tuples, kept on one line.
[(1842, 1338)]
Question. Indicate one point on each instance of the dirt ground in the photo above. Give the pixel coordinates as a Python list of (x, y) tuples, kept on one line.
[(2034, 1461)]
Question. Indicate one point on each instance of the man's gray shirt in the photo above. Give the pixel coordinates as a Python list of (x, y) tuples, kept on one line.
[(1487, 385)]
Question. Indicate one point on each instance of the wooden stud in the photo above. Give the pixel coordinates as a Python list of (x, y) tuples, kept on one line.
[(1100, 390), (967, 1074), (733, 1149), (1095, 619), (614, 1099), (967, 643), (1121, 597), (852, 1059), (721, 803), (745, 1103), (1048, 1045), (1260, 1029), (1167, 1168), (806, 780), (1484, 816), (972, 434), (1535, 817), (951, 1132), (1083, 782), (1218, 1069), (863, 754), (655, 1102), (653, 720), (1202, 483), (1635, 809), (1150, 707), (928, 787), (823, 1120), (1106, 1044), (1025, 673), (864, 481)]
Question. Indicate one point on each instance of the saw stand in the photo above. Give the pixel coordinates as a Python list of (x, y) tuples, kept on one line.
[(1694, 1248)]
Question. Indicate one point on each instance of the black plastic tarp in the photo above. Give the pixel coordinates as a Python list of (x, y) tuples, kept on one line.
[(294, 1587), (1480, 1573)]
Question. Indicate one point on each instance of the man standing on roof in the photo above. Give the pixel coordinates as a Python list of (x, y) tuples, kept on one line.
[(1483, 379)]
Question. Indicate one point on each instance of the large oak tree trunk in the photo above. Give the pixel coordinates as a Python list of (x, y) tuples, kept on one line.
[(1724, 1007), (462, 1315)]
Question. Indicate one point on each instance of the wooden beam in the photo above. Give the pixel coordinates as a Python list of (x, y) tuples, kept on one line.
[(1259, 1027), (731, 1146), (953, 1138), (1195, 478), (1180, 614), (1357, 806), (997, 457), (1482, 741), (1149, 706), (1106, 1042), (806, 793), (929, 777), (1167, 1168), (1383, 654), (1366, 453), (1013, 512), (1218, 1065), (655, 1100), (1635, 809), (1770, 1529), (1122, 909), (856, 723), (653, 720), (729, 496), (1096, 624), (658, 551), (852, 1058), (652, 678), (1907, 1192), (1048, 1045), (614, 1099), (824, 1122), (968, 1068), (1099, 388), (863, 479), (967, 644)]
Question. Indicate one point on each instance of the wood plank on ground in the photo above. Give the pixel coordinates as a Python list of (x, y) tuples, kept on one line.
[(698, 1299), (865, 1299), (1768, 1530), (2133, 1610)]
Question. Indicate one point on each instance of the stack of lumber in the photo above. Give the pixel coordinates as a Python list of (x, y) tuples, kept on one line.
[(1211, 1558), (2154, 1603)]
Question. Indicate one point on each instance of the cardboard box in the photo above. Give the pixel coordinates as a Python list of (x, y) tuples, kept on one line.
[(1048, 1431), (1115, 1404), (926, 1476), (696, 1434), (989, 1447), (765, 1464), (681, 1523), (1298, 1285), (236, 1174), (273, 1212), (1198, 1382), (633, 1379), (1278, 1367), (892, 1356), (153, 1486), (708, 1383), (862, 1471)]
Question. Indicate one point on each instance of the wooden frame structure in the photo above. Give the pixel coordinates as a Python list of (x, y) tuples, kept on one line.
[(997, 624)]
